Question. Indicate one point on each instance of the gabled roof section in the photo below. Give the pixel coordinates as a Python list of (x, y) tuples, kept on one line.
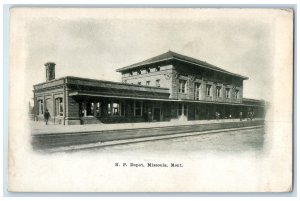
[(163, 57), (175, 56)]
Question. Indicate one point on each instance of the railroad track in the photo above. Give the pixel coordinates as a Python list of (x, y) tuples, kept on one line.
[(55, 140)]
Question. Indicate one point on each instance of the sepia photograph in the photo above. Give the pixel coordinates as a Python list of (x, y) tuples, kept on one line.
[(150, 100)]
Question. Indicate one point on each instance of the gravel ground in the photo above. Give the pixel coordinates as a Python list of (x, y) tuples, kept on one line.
[(225, 142)]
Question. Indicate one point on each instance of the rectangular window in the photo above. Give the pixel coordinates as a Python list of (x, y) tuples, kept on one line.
[(98, 109), (218, 91), (148, 70), (227, 93), (109, 109), (138, 108), (197, 91), (236, 94), (157, 68), (182, 86), (92, 107), (139, 72), (147, 83), (208, 90), (157, 83), (115, 108)]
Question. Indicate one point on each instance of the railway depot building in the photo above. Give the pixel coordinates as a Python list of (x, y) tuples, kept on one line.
[(167, 87)]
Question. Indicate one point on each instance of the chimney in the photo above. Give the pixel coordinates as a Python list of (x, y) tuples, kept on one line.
[(50, 71)]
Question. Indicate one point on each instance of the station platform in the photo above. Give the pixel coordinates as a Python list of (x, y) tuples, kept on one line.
[(39, 127)]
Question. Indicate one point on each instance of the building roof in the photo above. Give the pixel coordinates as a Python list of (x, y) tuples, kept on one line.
[(175, 56), (85, 85), (102, 88)]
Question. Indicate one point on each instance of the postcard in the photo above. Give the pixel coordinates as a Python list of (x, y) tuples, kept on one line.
[(150, 100)]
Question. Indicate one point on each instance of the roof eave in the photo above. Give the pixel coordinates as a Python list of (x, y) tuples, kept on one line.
[(226, 72), (136, 66)]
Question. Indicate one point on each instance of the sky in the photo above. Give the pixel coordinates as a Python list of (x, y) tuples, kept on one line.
[(94, 45)]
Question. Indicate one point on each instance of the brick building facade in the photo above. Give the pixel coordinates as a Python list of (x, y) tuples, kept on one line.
[(167, 87)]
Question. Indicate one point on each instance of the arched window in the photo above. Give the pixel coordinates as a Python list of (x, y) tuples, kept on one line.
[(48, 105), (59, 109), (41, 107)]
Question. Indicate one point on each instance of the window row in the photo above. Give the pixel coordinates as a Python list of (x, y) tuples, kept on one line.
[(208, 91), (112, 109), (148, 70), (58, 107), (95, 109), (148, 83)]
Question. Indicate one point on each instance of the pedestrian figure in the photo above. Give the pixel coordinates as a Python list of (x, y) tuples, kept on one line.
[(145, 115), (241, 116), (46, 116)]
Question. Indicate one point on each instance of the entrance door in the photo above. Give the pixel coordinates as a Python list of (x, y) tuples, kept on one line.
[(88, 108), (182, 111), (197, 112), (156, 114)]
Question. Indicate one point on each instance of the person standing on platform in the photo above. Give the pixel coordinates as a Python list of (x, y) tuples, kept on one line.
[(241, 116), (46, 116)]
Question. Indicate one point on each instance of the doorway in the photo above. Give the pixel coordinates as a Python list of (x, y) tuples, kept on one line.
[(182, 111), (156, 114)]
